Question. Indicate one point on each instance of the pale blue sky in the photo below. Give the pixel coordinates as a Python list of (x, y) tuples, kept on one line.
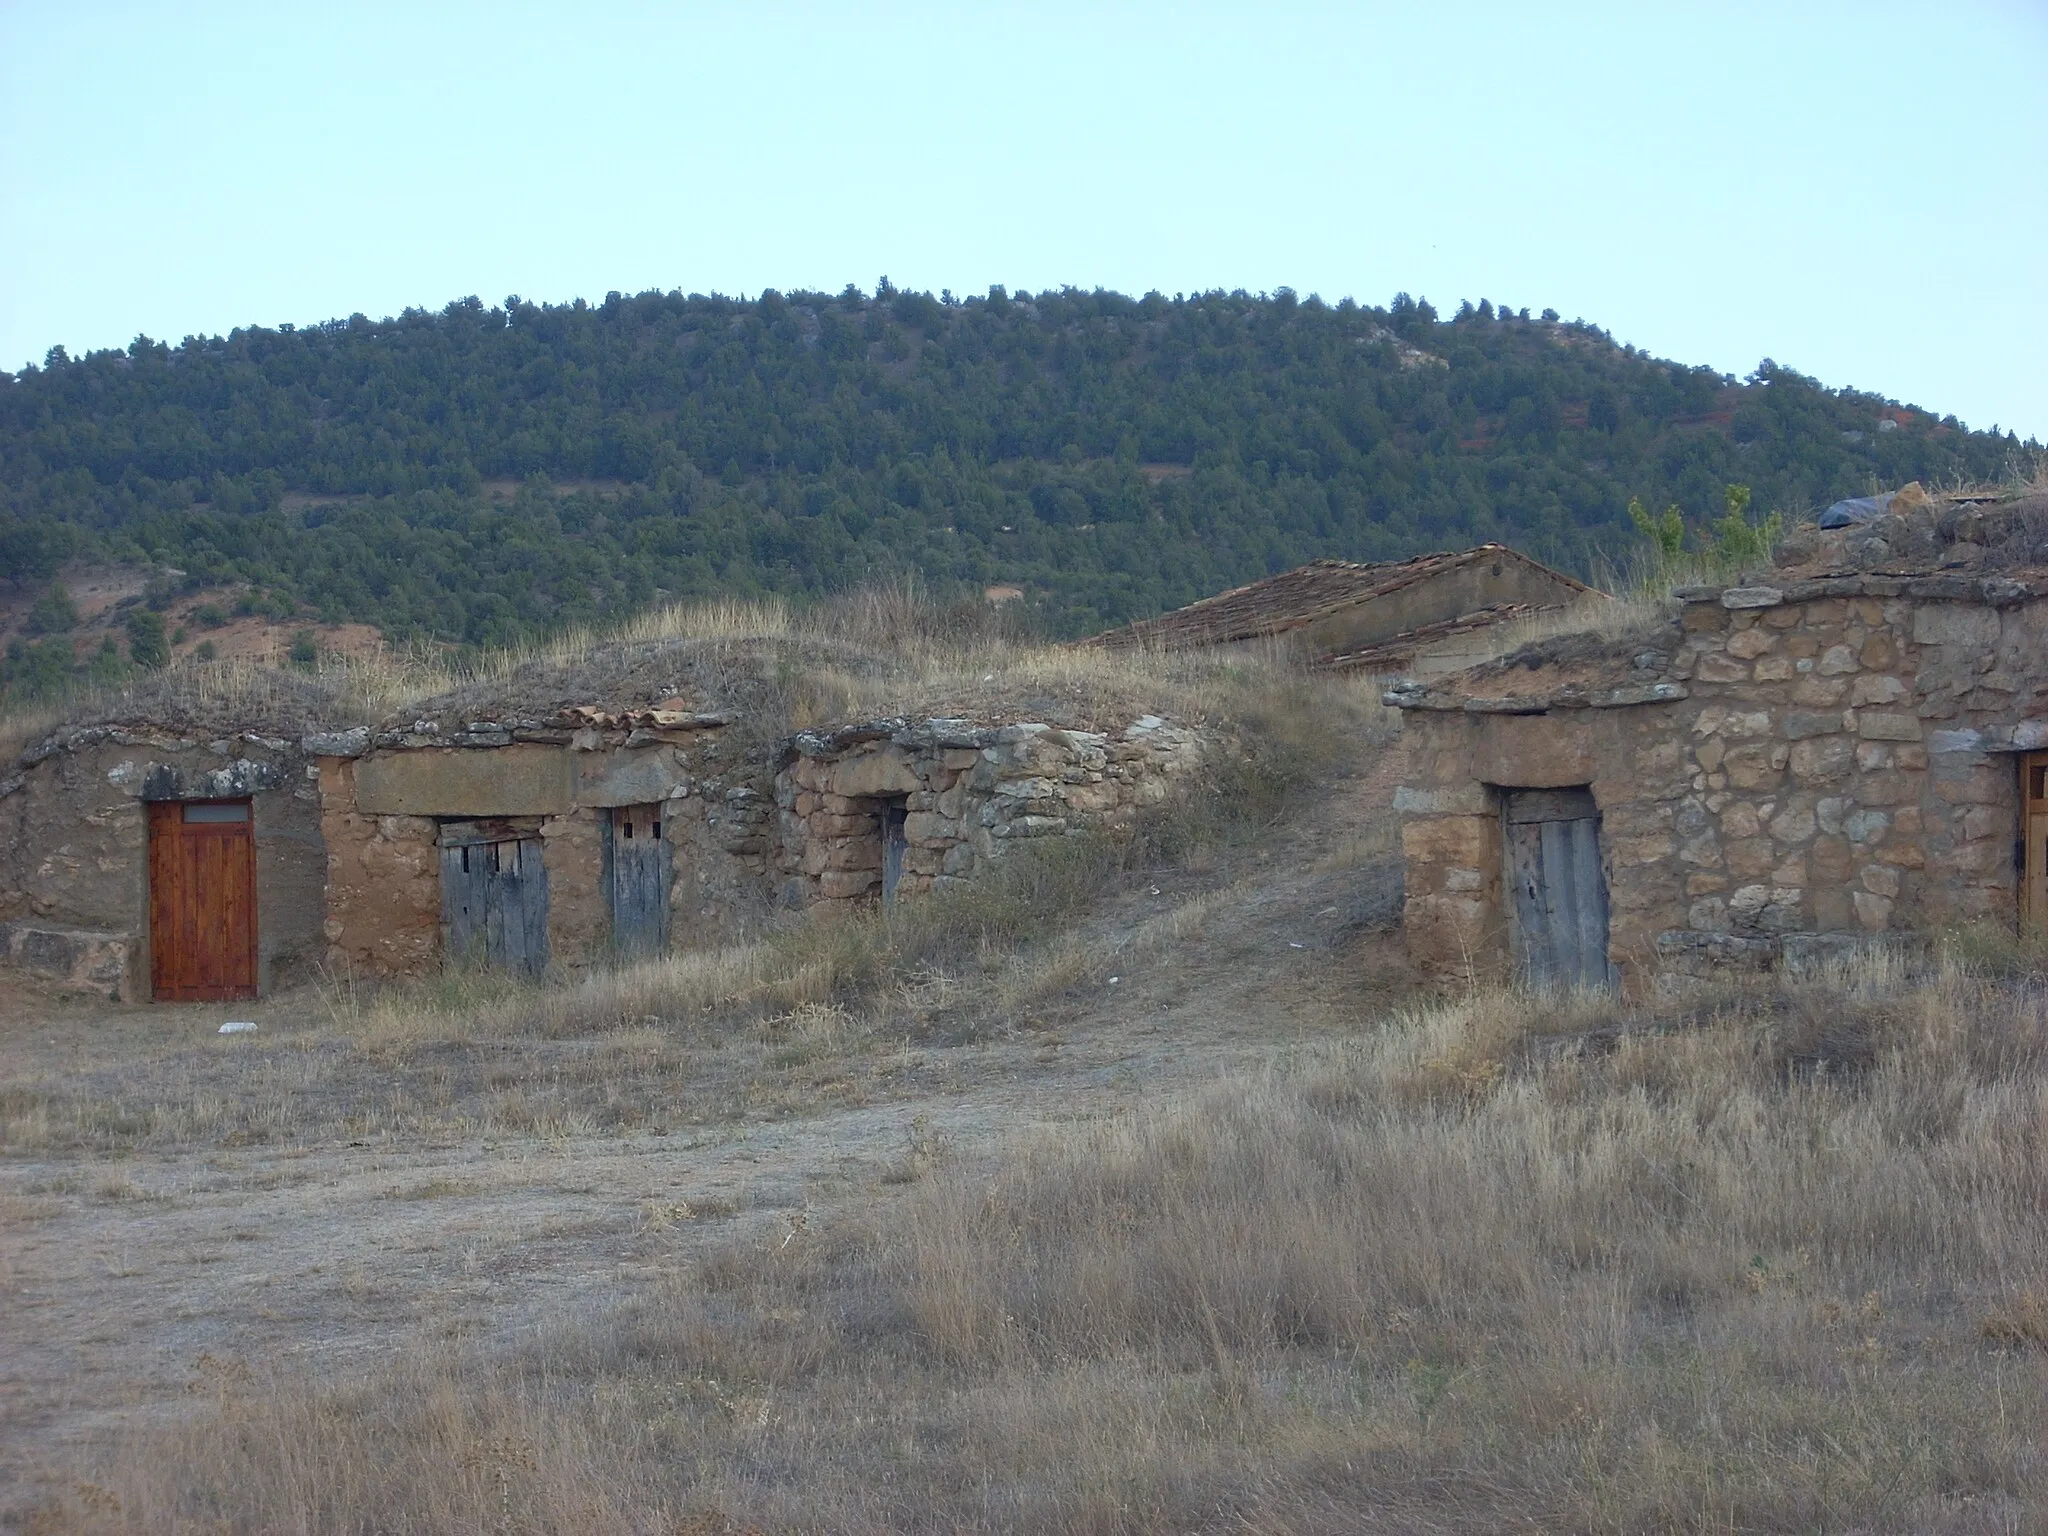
[(1859, 191)]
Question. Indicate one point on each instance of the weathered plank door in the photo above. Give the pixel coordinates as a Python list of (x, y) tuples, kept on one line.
[(202, 901), (494, 897), (895, 814), (636, 873), (1559, 891), (2034, 835)]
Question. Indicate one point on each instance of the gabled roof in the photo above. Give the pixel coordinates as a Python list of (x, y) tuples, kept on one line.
[(1298, 597)]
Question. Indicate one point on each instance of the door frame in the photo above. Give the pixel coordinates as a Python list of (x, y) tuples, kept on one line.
[(168, 823), (608, 871), (1541, 807), (2032, 863)]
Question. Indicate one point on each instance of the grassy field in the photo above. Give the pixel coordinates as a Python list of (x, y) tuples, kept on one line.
[(1489, 1262)]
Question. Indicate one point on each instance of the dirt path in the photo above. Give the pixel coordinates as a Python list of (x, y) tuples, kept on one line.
[(125, 1283)]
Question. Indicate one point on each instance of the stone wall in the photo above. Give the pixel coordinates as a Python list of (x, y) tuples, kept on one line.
[(74, 850), (969, 793), (383, 807), (1801, 768)]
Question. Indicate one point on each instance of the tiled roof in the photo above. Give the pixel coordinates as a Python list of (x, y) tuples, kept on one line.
[(1401, 649), (1293, 598)]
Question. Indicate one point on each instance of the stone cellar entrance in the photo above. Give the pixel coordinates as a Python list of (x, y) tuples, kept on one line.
[(202, 901), (636, 878), (1558, 890), (2033, 859), (494, 894), (892, 815)]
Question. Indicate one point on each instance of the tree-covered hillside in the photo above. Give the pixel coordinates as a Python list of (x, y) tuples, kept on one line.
[(484, 472)]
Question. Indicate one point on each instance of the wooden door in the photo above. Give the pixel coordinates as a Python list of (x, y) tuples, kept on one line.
[(1559, 891), (202, 901), (636, 872), (2033, 860), (895, 814), (494, 897)]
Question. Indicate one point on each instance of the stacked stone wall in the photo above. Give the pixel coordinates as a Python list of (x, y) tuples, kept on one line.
[(969, 792), (1809, 772), (383, 901), (74, 850)]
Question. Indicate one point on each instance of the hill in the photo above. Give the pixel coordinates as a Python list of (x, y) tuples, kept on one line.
[(481, 474)]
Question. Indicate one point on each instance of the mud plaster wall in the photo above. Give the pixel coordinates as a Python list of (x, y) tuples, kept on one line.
[(970, 792), (74, 856), (1447, 595), (383, 902), (1839, 769)]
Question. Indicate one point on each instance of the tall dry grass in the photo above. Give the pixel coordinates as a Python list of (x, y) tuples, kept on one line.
[(876, 651), (1773, 1263)]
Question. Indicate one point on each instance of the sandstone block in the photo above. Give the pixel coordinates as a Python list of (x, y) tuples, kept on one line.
[(1794, 824), (1800, 724), (1838, 660), (887, 771), (1748, 644), (1879, 725), (1820, 692), (1717, 668), (1957, 624), (1752, 597), (1822, 760), (1983, 821), (1749, 858), (1832, 910), (1879, 880), (1462, 840), (1874, 912), (1828, 860), (930, 828), (1463, 799), (1627, 852), (845, 885), (1772, 669)]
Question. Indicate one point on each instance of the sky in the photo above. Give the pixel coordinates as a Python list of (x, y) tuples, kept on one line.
[(1859, 191)]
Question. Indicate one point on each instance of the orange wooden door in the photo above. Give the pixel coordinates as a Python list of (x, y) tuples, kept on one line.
[(202, 901)]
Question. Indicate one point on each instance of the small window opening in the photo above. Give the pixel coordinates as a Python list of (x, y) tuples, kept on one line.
[(465, 860), (654, 828), (629, 829), (238, 811)]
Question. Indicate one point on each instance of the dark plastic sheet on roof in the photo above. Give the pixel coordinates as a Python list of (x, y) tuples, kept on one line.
[(1857, 509)]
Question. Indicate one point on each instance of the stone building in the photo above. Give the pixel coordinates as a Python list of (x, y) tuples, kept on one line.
[(151, 861), (112, 834), (1853, 748), (899, 806), (1423, 617)]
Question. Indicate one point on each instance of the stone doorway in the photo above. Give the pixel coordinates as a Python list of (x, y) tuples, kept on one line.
[(494, 894), (892, 816), (636, 878), (202, 901), (2033, 860), (1557, 888)]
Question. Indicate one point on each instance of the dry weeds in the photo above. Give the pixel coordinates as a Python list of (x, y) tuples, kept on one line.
[(1700, 1271)]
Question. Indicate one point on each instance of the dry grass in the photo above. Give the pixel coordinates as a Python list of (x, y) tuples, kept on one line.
[(1502, 1262), (874, 652), (1640, 611)]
